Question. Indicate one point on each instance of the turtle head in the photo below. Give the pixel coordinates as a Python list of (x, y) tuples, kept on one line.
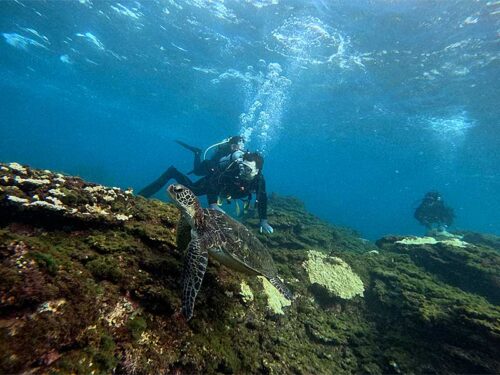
[(184, 199)]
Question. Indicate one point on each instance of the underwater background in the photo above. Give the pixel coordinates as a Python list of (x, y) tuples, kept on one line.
[(360, 107)]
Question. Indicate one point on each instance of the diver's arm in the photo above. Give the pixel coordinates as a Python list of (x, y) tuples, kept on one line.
[(261, 197)]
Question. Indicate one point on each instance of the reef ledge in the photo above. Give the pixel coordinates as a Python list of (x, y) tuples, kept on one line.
[(90, 283)]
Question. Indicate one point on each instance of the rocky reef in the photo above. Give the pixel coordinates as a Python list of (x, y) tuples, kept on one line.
[(90, 283)]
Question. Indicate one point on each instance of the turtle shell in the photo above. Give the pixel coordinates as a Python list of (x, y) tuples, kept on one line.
[(233, 240)]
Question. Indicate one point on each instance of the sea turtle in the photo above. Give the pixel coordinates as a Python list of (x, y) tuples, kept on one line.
[(216, 234)]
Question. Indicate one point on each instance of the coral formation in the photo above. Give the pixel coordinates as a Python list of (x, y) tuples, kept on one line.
[(413, 240), (246, 292), (333, 274), (85, 292), (275, 300)]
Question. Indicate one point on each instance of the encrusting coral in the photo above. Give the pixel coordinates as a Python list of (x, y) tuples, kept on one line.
[(333, 274), (275, 300), (431, 241)]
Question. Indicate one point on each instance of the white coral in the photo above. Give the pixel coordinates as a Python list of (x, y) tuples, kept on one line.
[(119, 314), (431, 241), (15, 199), (122, 217), (48, 205), (94, 189), (33, 181), (57, 192), (55, 201), (38, 181), (94, 209), (17, 167)]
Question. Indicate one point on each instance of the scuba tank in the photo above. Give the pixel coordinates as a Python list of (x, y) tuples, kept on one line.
[(223, 142)]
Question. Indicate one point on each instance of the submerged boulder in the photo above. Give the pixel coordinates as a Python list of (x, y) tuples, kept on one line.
[(91, 282)]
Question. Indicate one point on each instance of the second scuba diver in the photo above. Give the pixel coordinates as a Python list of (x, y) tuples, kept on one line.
[(433, 211), (231, 173)]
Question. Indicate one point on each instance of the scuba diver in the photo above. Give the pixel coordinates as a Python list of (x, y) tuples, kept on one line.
[(230, 173), (432, 210), (227, 151)]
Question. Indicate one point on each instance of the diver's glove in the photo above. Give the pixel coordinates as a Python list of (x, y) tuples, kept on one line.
[(265, 227), (215, 206)]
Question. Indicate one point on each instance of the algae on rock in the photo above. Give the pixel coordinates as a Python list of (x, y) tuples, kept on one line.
[(82, 292)]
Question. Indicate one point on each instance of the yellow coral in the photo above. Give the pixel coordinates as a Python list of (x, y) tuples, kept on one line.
[(275, 300), (431, 241), (333, 274), (246, 293)]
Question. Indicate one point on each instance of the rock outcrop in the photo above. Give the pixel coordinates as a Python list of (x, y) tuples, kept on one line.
[(90, 282)]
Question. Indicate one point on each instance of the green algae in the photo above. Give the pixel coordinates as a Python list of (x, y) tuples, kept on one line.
[(46, 261), (106, 268), (137, 325), (456, 265)]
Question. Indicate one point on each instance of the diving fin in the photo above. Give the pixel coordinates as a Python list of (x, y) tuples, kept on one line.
[(238, 209), (246, 206), (193, 149)]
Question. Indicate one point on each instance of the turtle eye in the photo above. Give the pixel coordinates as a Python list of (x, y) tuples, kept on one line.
[(178, 189)]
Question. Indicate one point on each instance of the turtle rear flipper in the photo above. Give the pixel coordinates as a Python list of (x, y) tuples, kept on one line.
[(278, 284), (194, 270)]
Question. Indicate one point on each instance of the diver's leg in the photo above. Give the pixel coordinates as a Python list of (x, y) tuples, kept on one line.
[(182, 179), (212, 192), (198, 165), (198, 168), (193, 149), (199, 187), (156, 185)]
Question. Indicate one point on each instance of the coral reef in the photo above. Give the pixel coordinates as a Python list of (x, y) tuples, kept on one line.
[(91, 279)]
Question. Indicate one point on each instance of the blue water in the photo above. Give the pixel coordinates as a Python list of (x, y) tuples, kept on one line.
[(359, 107)]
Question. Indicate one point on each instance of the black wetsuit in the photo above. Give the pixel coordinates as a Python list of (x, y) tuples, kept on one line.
[(434, 211), (229, 185), (225, 183)]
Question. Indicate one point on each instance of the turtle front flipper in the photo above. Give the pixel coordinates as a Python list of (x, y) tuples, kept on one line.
[(194, 270)]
